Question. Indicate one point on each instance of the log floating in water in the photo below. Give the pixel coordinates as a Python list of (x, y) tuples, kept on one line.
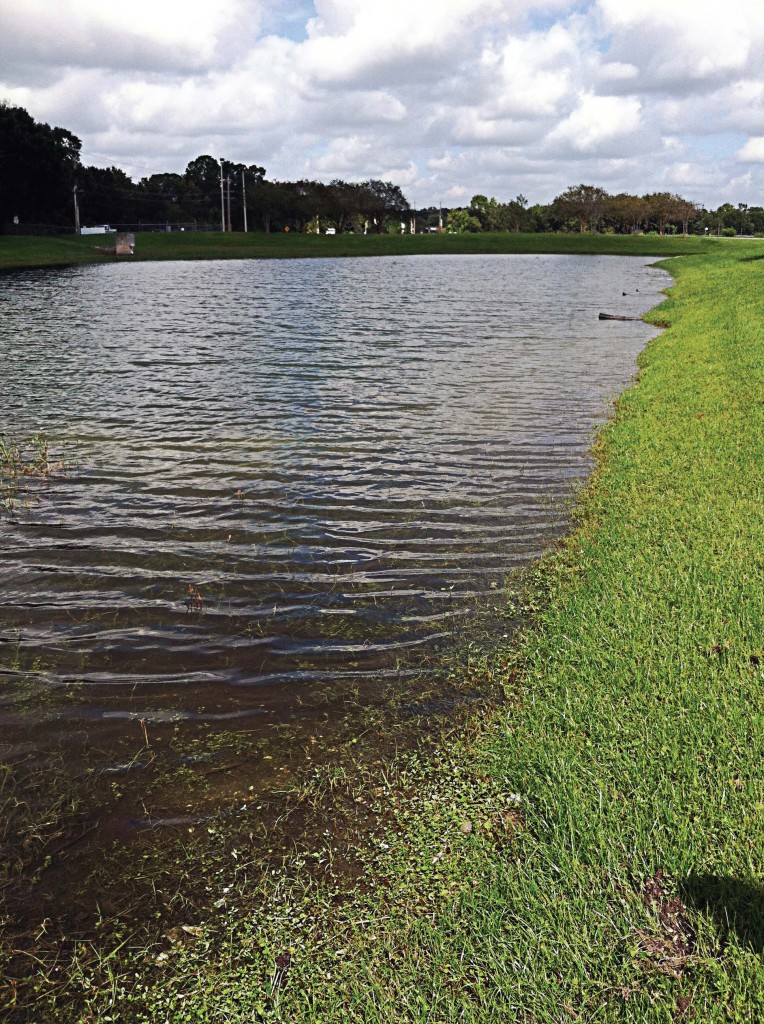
[(615, 316)]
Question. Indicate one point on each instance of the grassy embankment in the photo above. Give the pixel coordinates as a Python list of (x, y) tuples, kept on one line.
[(593, 850), (26, 252)]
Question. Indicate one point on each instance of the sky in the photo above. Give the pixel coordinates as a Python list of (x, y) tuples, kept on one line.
[(446, 98)]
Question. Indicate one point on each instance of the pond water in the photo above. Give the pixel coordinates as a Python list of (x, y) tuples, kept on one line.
[(283, 479)]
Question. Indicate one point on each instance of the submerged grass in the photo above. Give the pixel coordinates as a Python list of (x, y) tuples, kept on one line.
[(20, 462), (590, 850)]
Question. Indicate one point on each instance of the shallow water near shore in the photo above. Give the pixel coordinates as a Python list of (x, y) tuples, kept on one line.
[(285, 483)]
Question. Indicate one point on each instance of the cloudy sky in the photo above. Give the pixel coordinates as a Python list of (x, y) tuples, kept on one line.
[(444, 97)]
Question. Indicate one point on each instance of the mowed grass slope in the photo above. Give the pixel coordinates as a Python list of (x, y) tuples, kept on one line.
[(638, 888), (20, 252)]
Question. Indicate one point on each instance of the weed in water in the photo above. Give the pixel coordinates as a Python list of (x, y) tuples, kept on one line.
[(21, 462)]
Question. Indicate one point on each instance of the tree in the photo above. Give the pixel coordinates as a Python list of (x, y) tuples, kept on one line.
[(204, 174), (253, 175), (546, 217), (585, 204), (168, 197), (461, 221), (108, 195), (722, 216), (663, 208), (342, 202), (484, 210), (266, 200), (306, 201), (517, 213), (755, 216), (202, 179), (626, 212), (380, 201), (686, 211), (495, 216), (38, 165)]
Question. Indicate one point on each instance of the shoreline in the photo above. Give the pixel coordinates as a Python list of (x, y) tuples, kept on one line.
[(18, 253), (584, 842)]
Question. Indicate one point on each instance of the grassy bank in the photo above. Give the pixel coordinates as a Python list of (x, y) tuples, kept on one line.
[(27, 252), (589, 850)]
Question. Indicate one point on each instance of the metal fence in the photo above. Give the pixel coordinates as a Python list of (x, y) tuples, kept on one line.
[(56, 229), (35, 229)]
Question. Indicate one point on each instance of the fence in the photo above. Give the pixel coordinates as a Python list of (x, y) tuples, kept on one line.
[(57, 229)]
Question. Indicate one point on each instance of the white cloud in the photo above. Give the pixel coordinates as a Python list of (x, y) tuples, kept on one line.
[(752, 151), (533, 74), (344, 155), (140, 34), (471, 131), (490, 96), (167, 23), (352, 40), (598, 120), (615, 71), (684, 45)]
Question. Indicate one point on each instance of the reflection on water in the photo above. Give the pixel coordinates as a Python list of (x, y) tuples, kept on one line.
[(284, 476)]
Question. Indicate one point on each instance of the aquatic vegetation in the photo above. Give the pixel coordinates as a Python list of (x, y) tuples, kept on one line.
[(20, 462)]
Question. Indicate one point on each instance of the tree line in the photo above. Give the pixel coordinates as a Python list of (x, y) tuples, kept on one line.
[(218, 194), (43, 182), (588, 208)]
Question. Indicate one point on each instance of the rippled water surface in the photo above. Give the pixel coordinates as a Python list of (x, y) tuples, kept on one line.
[(284, 477)]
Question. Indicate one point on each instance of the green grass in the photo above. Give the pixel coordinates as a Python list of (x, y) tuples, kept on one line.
[(28, 252), (592, 849)]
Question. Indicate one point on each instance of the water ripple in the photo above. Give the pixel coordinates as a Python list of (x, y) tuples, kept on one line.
[(285, 476)]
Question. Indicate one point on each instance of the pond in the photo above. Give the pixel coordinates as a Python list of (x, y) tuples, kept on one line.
[(284, 481)]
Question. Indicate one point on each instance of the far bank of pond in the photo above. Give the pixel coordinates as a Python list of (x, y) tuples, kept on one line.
[(589, 845), (27, 252)]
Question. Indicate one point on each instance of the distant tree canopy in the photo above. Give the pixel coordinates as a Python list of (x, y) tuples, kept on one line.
[(40, 168), (38, 165), (495, 216), (588, 208), (584, 204)]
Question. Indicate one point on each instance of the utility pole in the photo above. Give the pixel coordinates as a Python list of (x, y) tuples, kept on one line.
[(76, 213), (222, 200), (244, 200), (228, 197)]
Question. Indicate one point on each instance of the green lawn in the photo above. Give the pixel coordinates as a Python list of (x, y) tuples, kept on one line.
[(592, 849), (27, 252)]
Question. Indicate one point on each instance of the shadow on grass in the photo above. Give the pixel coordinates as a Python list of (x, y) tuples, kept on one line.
[(735, 904)]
